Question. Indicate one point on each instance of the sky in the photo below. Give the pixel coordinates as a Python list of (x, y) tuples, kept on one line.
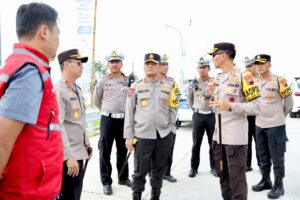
[(136, 27)]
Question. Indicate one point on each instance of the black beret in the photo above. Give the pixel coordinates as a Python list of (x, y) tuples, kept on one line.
[(222, 47), (152, 57), (71, 54), (262, 58)]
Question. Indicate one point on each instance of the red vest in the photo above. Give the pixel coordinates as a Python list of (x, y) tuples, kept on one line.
[(34, 169)]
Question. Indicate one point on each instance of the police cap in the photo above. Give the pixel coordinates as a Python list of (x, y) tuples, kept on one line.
[(262, 58), (203, 62), (164, 59), (249, 61), (222, 47), (71, 54), (152, 57), (114, 55)]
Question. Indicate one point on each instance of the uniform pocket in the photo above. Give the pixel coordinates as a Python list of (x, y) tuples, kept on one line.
[(164, 99), (281, 144), (144, 100)]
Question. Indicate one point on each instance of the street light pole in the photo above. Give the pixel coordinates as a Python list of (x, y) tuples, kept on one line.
[(181, 75)]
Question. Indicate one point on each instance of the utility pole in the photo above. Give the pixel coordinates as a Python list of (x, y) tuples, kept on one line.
[(92, 86)]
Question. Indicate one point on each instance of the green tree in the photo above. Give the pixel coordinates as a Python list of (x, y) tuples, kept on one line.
[(100, 70)]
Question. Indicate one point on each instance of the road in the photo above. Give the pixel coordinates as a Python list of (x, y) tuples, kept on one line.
[(204, 186)]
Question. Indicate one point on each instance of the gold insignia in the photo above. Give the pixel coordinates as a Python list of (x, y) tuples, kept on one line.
[(144, 103), (76, 115), (201, 61), (70, 94), (151, 57), (114, 54), (78, 56), (68, 84), (165, 57)]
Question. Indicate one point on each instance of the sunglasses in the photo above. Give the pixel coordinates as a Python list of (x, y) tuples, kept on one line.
[(217, 53), (79, 63)]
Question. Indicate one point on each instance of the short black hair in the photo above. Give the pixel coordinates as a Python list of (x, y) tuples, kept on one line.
[(231, 54), (31, 16)]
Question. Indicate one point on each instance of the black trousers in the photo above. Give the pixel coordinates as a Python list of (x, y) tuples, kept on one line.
[(151, 156), (233, 176), (251, 133), (72, 186), (170, 160), (271, 146), (202, 123), (111, 129)]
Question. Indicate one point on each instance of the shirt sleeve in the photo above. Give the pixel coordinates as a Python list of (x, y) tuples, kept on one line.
[(98, 94), (23, 96), (129, 114), (288, 104), (190, 100)]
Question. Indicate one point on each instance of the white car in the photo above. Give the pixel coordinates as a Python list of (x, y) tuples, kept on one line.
[(185, 113), (295, 85)]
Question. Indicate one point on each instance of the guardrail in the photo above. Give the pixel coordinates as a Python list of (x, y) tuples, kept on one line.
[(92, 122)]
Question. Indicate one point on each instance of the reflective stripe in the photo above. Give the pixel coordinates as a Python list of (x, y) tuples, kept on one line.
[(45, 75), (4, 78), (25, 52), (54, 127)]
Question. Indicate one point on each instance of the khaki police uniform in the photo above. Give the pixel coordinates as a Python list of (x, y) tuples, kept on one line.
[(234, 130), (203, 121), (72, 120), (150, 117), (110, 98), (276, 102)]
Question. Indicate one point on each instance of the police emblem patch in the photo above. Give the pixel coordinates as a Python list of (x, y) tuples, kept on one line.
[(144, 103), (76, 115)]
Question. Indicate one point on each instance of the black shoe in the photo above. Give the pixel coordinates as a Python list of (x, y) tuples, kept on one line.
[(107, 190), (264, 184), (248, 169), (170, 178), (277, 190), (214, 172), (126, 182), (193, 173)]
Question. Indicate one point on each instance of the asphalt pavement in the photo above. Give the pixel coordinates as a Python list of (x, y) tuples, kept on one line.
[(202, 187)]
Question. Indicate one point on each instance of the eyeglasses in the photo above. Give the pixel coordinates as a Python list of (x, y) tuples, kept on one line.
[(217, 53), (79, 63)]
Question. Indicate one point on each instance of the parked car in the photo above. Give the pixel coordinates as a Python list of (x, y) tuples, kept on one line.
[(295, 85), (185, 113)]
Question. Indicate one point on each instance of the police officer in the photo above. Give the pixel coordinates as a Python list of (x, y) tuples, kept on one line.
[(110, 98), (150, 117), (249, 64), (72, 121), (234, 96), (163, 71), (276, 103), (203, 118)]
